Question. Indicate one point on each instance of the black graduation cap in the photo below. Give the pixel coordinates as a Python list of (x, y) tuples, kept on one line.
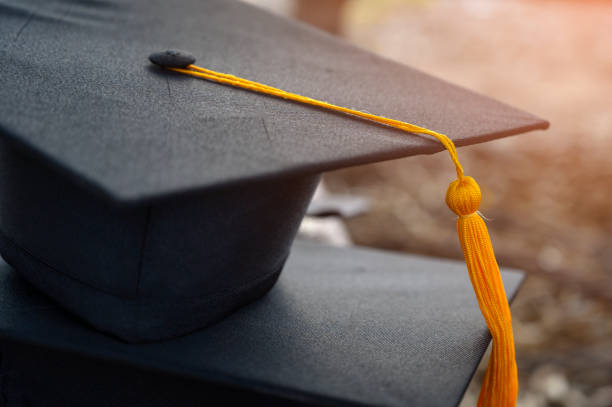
[(340, 327), (152, 204)]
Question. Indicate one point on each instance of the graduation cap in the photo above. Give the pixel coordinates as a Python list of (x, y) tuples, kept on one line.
[(150, 205)]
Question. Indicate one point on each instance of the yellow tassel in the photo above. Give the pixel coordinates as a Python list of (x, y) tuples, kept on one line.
[(500, 386)]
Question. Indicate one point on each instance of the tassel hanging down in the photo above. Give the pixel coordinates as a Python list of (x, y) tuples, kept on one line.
[(500, 386)]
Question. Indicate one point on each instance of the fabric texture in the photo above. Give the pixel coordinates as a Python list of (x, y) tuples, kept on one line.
[(340, 327), (500, 386), (145, 273), (76, 89)]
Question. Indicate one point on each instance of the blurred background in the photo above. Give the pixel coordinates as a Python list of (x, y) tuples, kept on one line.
[(547, 194)]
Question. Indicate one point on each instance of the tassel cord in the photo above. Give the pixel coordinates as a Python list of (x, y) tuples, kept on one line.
[(232, 80)]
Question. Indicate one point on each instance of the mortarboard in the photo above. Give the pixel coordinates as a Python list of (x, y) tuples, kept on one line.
[(347, 327), (150, 204)]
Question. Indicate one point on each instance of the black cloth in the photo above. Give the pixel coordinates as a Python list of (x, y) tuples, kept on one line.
[(146, 272), (150, 203), (76, 88), (341, 327)]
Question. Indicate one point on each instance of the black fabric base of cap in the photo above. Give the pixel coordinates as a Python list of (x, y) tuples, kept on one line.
[(133, 320), (30, 379), (149, 272), (340, 327)]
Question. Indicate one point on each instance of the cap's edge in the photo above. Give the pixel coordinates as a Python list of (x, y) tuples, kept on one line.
[(312, 169), (130, 198), (178, 371), (73, 175)]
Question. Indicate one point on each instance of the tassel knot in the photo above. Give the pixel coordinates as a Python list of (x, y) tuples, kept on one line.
[(463, 196)]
